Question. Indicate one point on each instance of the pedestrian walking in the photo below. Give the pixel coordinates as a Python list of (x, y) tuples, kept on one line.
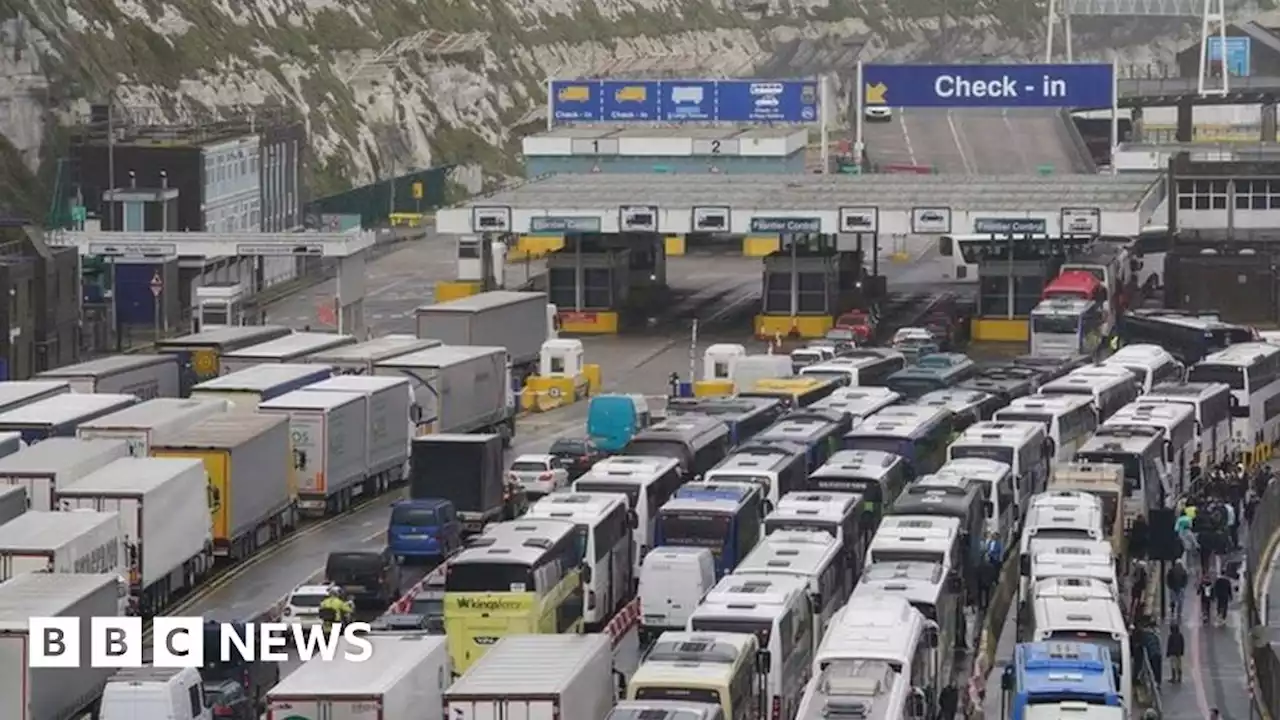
[(1206, 600), (1222, 596), (989, 574), (1175, 580), (1175, 647)]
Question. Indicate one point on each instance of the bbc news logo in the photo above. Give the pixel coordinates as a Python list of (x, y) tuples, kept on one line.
[(176, 642)]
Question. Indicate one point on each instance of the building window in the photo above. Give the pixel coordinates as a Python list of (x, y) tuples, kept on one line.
[(1202, 194)]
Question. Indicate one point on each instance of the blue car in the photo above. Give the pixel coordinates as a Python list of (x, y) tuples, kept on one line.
[(426, 529)]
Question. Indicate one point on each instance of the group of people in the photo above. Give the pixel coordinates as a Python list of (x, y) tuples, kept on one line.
[(1208, 528)]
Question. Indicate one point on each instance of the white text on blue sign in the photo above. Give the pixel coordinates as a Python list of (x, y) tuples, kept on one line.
[(955, 86)]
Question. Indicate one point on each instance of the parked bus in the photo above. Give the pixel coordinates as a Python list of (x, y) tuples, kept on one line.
[(1080, 612), (967, 406), (936, 371), (1140, 450), (815, 557), (1212, 405), (863, 367), (697, 441), (917, 434), (1110, 388), (879, 477), (1252, 371), (818, 431), (794, 392), (520, 577), (1177, 425), (1150, 365), (1068, 420), (834, 513), (647, 481), (1004, 511), (778, 612), (1064, 327), (604, 526), (713, 668), (724, 517), (927, 588), (1020, 445), (744, 416), (885, 639), (777, 467), (858, 402)]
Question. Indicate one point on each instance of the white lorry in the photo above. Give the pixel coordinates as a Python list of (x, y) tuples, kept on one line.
[(146, 376), (389, 427), (16, 393), (45, 468), (246, 389), (62, 542), (511, 319), (151, 422), (28, 693), (537, 677), (163, 505), (405, 677), (359, 359), (60, 415), (292, 348), (13, 502), (328, 432), (458, 389)]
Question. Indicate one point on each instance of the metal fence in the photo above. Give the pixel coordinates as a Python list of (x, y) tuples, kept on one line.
[(1263, 662)]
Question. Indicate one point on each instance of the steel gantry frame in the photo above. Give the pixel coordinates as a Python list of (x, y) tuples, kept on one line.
[(1213, 22), (146, 247)]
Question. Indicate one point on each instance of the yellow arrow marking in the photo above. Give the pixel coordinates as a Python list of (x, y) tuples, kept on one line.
[(875, 94)]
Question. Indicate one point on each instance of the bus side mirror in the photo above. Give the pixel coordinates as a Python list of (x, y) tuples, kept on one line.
[(586, 573), (915, 705), (633, 519), (1024, 565), (931, 636), (1168, 451), (990, 508), (764, 662), (1006, 678), (816, 599), (766, 507)]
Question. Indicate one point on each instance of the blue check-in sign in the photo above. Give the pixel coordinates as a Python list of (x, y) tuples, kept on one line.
[(1074, 85)]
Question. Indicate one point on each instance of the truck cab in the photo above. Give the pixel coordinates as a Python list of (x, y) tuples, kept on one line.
[(427, 529), (220, 305)]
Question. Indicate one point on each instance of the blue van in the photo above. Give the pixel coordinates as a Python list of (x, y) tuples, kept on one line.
[(426, 529), (613, 420)]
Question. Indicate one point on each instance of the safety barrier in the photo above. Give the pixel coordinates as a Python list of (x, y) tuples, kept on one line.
[(998, 607), (546, 393), (1262, 661), (624, 622)]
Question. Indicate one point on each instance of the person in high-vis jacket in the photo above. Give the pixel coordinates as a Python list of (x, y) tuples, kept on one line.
[(335, 609)]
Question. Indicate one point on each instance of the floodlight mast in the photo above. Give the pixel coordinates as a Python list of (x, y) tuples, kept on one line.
[(1213, 24)]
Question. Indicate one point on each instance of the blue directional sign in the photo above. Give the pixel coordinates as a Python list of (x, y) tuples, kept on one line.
[(959, 86), (1239, 51), (674, 101)]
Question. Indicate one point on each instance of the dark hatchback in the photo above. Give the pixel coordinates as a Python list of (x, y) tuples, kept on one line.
[(577, 454), (227, 700), (370, 577)]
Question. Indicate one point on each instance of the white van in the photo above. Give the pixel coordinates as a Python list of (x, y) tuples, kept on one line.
[(152, 692), (673, 581)]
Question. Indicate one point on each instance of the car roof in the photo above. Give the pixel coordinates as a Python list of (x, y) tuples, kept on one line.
[(534, 457), (311, 590)]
